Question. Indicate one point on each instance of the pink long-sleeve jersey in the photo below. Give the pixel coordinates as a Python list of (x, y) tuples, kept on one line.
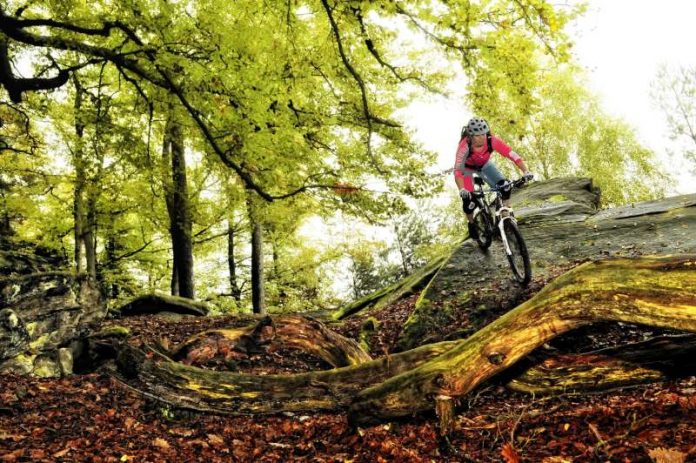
[(479, 157)]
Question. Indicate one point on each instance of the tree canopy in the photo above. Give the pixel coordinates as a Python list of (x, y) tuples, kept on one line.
[(293, 103)]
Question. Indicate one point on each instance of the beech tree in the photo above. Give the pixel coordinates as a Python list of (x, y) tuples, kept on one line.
[(292, 99)]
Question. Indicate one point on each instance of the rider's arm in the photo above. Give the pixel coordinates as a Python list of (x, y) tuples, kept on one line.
[(459, 178), (522, 166), (504, 149)]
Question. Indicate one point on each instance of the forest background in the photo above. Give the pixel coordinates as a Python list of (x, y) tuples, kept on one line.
[(289, 156)]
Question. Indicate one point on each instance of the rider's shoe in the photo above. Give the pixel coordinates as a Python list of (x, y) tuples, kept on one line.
[(473, 231)]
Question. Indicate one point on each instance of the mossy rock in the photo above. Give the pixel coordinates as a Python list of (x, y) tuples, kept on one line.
[(402, 288), (555, 242), (157, 304)]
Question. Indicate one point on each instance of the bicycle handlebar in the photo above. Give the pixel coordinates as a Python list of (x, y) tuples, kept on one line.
[(514, 183)]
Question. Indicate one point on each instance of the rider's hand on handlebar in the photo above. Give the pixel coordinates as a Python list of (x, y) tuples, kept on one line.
[(528, 176), (464, 194)]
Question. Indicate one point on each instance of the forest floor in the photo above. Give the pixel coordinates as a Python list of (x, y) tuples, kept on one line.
[(94, 418)]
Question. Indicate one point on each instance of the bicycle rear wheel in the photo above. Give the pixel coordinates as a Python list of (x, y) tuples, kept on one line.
[(484, 226), (518, 257)]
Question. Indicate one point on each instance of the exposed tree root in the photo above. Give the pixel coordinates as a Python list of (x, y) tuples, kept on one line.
[(648, 361), (650, 291)]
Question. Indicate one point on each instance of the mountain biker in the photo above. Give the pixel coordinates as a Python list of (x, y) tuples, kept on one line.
[(473, 155)]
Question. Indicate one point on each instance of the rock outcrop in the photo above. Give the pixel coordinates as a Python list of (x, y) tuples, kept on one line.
[(44, 312), (562, 227)]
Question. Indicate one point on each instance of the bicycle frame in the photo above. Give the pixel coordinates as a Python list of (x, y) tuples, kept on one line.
[(489, 215), (492, 198)]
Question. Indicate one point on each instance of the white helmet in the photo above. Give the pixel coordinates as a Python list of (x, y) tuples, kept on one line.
[(477, 126)]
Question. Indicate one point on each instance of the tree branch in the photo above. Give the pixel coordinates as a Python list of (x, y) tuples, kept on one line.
[(369, 43)]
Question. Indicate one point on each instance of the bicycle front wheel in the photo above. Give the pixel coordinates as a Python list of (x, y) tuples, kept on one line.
[(484, 226), (517, 255)]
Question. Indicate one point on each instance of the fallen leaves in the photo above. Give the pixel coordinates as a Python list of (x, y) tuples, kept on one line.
[(161, 443), (74, 418), (662, 455), (509, 453)]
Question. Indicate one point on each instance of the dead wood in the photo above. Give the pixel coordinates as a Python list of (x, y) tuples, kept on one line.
[(648, 361), (650, 291), (294, 331)]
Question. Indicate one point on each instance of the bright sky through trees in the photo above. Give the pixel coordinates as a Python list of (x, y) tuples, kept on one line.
[(622, 43)]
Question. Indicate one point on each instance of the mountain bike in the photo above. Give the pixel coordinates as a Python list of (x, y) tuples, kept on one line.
[(493, 219)]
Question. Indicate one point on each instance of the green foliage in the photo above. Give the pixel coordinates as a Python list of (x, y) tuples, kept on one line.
[(282, 100), (568, 134)]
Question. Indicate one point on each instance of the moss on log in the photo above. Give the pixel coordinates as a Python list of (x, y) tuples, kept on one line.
[(580, 373), (647, 361), (225, 392), (404, 287), (650, 291)]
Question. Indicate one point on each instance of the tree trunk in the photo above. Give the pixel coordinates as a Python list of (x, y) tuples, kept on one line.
[(400, 245), (89, 235), (5, 224), (179, 209), (258, 298), (649, 291), (174, 284), (155, 303), (80, 178), (647, 361), (235, 290), (85, 194), (112, 288)]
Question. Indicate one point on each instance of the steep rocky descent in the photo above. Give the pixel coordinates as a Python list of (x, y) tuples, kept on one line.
[(44, 312), (562, 228)]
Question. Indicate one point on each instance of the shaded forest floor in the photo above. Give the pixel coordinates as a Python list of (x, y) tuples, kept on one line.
[(94, 418)]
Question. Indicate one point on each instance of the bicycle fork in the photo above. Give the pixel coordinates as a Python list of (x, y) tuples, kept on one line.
[(501, 229)]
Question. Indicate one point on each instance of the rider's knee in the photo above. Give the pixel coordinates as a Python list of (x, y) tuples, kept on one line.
[(506, 190)]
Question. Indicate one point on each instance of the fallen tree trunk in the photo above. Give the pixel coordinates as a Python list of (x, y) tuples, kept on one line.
[(651, 291), (180, 385), (294, 331)]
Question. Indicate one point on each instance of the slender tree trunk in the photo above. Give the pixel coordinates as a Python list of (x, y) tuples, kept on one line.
[(80, 178), (89, 235), (111, 288), (179, 209), (402, 251), (5, 225), (276, 260), (258, 297), (231, 263)]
